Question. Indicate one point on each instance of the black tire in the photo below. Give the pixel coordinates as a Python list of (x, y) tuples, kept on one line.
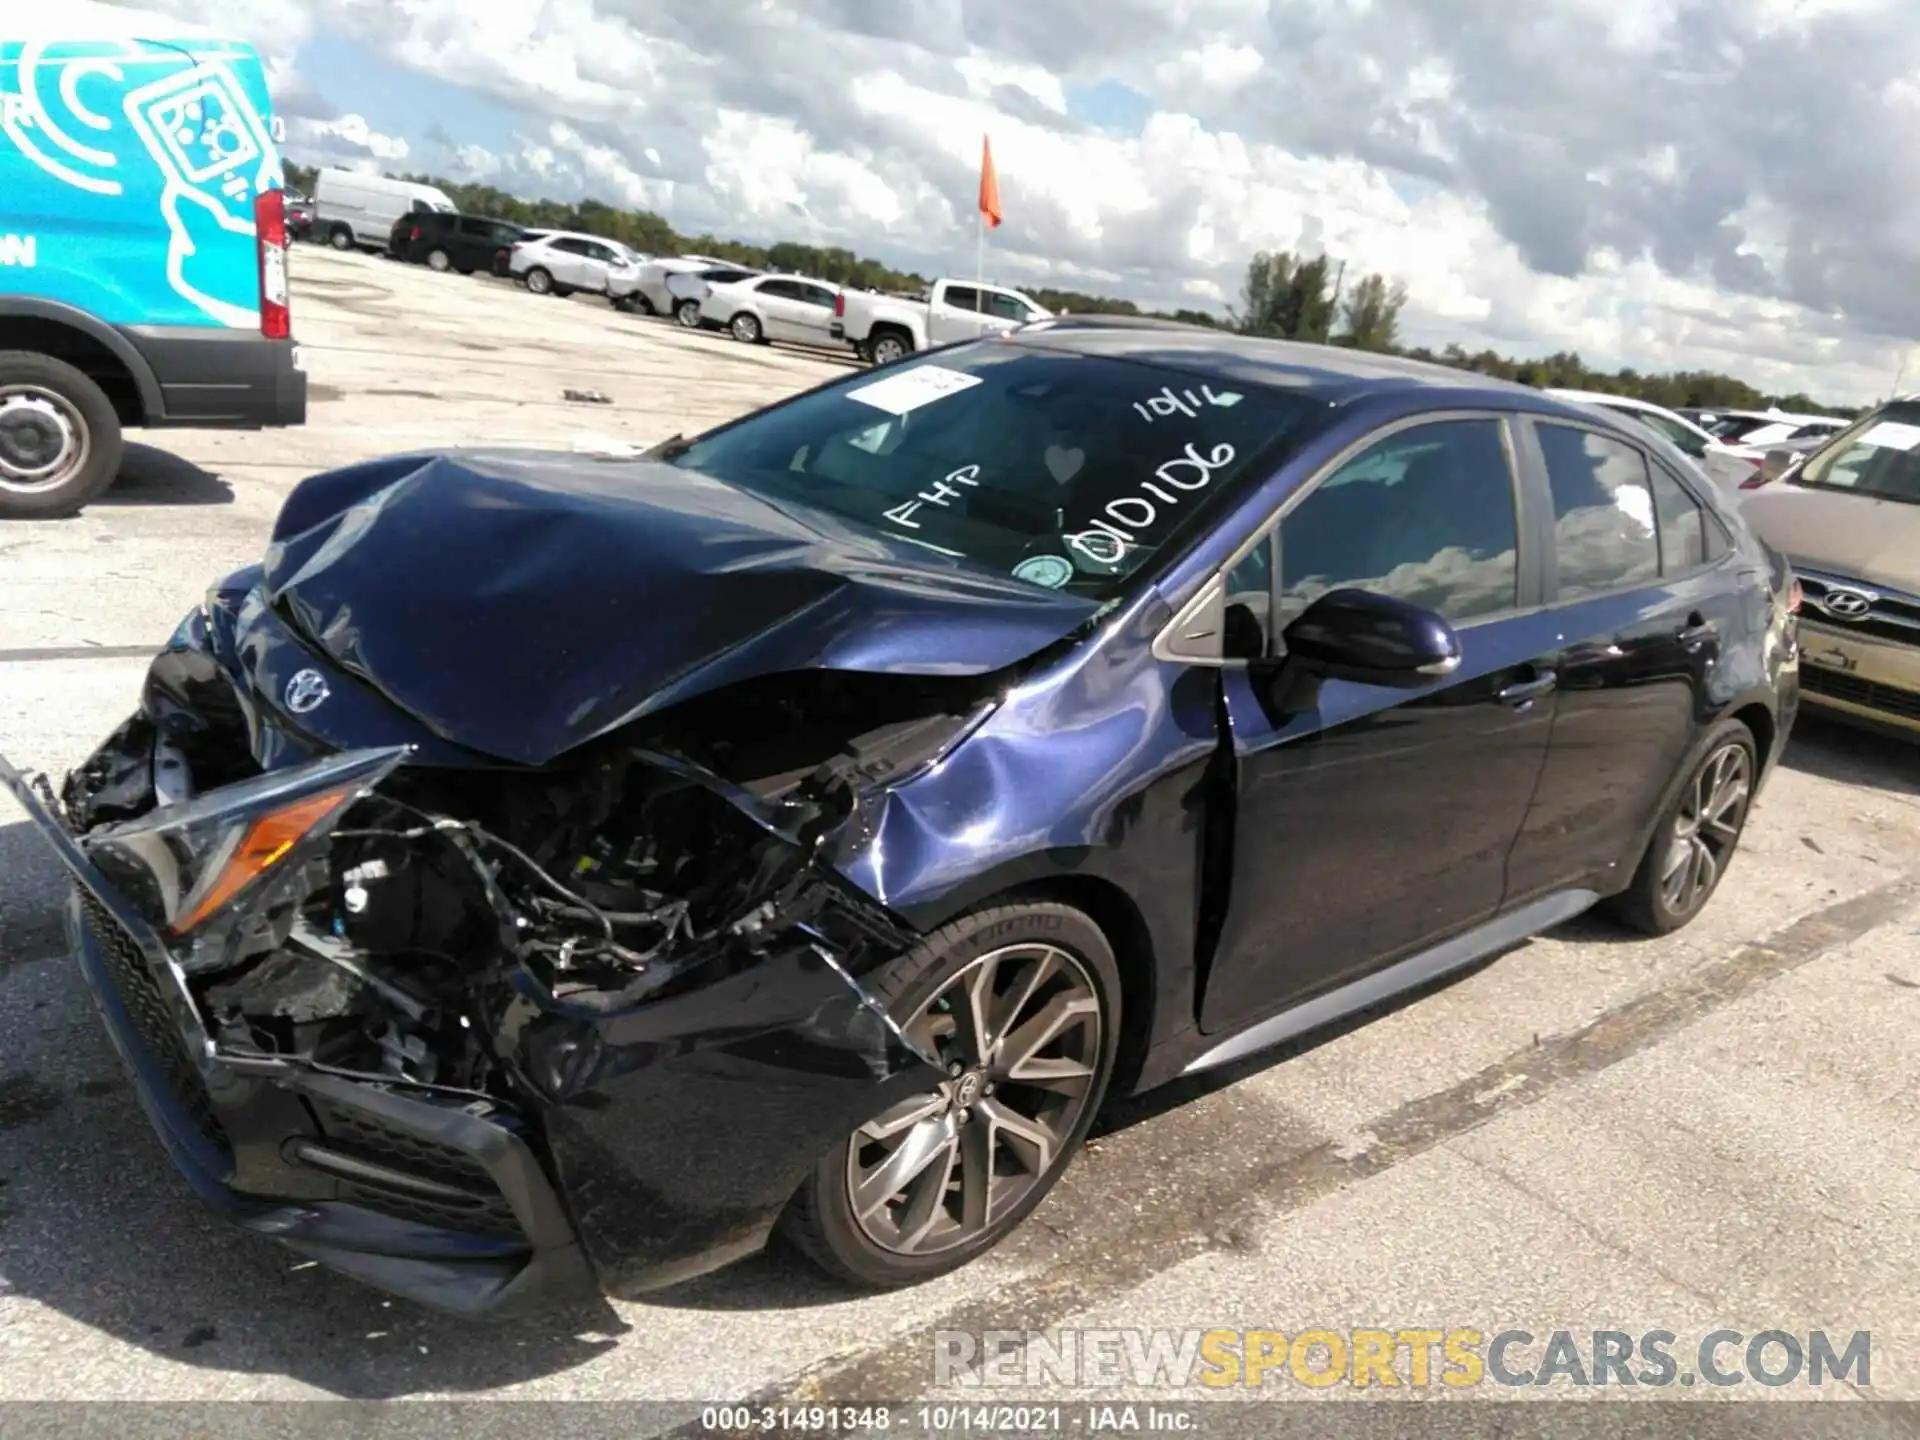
[(438, 259), (340, 237), (60, 439), (687, 313), (820, 1222), (888, 346), (746, 328), (639, 301), (464, 269), (538, 280), (1654, 904)]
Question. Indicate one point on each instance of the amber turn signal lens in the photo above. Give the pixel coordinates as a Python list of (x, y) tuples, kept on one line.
[(265, 844)]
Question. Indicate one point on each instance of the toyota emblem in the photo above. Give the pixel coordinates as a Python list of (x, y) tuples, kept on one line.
[(306, 691), (1846, 604)]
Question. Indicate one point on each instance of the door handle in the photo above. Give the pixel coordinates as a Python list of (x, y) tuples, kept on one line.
[(1697, 633), (1525, 692)]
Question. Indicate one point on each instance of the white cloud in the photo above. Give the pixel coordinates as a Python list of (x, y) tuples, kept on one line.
[(1650, 182), (348, 142)]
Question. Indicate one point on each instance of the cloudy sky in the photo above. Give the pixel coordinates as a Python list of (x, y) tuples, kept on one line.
[(1725, 184)]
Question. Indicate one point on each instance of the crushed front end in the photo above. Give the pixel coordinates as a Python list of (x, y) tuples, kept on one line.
[(484, 1036)]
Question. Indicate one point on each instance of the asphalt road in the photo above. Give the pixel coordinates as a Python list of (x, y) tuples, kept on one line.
[(1716, 1130)]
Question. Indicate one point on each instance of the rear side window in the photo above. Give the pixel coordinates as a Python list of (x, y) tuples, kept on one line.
[(1683, 527), (963, 297), (1604, 532)]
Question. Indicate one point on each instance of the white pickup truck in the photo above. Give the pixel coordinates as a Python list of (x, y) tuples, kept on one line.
[(882, 328)]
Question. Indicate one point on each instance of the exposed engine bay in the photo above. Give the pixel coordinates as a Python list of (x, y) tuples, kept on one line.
[(443, 909)]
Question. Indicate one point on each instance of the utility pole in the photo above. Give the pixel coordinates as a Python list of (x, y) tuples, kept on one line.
[(1333, 314)]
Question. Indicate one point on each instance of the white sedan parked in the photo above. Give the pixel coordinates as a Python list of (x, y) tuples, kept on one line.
[(773, 307), (561, 262), (1721, 463)]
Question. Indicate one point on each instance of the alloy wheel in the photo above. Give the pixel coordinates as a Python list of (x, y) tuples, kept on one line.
[(1707, 828), (1019, 1034), (688, 314), (438, 260), (887, 349), (44, 439)]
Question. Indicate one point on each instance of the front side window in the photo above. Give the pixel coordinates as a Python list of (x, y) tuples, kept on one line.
[(1877, 456), (1425, 515), (1604, 532), (1067, 471)]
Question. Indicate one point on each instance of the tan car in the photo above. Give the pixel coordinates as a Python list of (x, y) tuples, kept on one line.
[(1848, 516)]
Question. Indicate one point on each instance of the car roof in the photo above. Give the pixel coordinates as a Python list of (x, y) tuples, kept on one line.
[(1601, 397), (1330, 370)]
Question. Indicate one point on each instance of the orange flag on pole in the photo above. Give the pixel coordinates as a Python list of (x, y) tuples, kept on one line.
[(989, 184)]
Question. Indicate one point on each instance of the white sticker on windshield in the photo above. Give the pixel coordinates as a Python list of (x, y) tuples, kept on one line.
[(910, 389), (1052, 571), (1892, 435)]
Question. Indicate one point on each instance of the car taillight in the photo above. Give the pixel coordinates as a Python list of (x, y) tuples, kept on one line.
[(839, 307), (270, 235), (414, 233)]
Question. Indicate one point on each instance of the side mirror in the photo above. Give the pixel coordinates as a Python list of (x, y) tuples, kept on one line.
[(1372, 640), (1777, 463)]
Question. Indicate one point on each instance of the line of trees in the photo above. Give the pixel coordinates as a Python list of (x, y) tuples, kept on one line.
[(1284, 295), (1300, 298)]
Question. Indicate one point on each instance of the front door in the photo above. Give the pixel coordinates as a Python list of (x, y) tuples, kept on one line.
[(1372, 822)]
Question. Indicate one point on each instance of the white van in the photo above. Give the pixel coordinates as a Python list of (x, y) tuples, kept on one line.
[(351, 209)]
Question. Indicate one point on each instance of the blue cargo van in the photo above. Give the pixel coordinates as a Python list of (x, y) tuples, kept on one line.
[(143, 244)]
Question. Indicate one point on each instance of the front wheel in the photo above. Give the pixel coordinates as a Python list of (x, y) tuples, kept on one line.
[(59, 437), (1021, 1005), (1696, 837)]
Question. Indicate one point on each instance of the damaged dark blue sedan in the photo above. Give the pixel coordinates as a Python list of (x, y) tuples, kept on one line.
[(544, 873)]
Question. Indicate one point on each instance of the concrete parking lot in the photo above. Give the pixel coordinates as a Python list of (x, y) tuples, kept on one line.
[(1716, 1130)]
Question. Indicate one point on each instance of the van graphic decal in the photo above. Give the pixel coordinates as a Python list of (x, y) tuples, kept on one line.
[(175, 130)]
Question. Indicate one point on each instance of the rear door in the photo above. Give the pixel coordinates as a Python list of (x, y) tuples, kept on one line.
[(1641, 598)]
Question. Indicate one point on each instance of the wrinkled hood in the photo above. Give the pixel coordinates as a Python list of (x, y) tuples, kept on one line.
[(1856, 536), (519, 603)]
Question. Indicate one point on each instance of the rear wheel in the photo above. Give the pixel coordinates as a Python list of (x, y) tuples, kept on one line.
[(340, 237), (889, 346), (687, 312), (438, 259), (59, 437), (539, 281), (1696, 837), (1021, 1003), (746, 329)]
